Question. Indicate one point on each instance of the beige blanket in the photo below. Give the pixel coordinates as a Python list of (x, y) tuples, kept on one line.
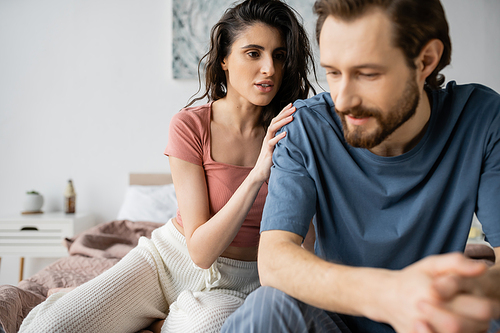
[(91, 253)]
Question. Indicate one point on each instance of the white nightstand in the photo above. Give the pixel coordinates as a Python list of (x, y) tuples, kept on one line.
[(40, 235)]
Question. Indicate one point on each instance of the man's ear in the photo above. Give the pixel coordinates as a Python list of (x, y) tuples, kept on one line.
[(429, 58)]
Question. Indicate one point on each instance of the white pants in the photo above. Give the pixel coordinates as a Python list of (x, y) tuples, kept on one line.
[(156, 279)]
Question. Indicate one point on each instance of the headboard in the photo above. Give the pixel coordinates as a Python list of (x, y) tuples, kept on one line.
[(150, 179)]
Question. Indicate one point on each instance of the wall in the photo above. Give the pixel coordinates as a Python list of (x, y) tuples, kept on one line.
[(474, 27), (86, 92)]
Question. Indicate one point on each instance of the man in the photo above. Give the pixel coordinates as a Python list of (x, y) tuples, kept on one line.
[(392, 168)]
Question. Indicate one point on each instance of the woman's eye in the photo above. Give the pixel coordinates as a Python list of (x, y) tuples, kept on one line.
[(333, 73), (253, 54), (280, 56)]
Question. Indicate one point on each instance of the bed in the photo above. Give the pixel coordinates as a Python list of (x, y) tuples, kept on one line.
[(149, 202)]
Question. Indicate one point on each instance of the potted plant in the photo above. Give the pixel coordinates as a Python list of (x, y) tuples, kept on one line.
[(33, 202)]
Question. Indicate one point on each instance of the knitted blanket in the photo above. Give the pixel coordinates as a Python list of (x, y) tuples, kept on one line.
[(90, 253)]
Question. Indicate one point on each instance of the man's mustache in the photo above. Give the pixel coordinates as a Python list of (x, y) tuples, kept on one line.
[(360, 112)]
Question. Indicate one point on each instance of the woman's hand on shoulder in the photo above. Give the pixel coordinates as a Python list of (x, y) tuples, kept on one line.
[(264, 162)]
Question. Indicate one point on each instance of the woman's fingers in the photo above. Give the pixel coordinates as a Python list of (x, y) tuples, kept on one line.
[(286, 108), (280, 123), (264, 161), (281, 120), (277, 138), (285, 112)]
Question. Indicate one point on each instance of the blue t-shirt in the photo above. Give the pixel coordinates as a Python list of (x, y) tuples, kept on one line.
[(389, 212)]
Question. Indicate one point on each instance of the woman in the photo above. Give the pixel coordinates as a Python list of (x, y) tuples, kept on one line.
[(198, 268)]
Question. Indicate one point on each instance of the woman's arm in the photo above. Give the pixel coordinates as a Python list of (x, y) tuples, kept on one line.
[(207, 237)]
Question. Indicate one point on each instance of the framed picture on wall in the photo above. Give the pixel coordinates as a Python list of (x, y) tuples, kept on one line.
[(193, 20)]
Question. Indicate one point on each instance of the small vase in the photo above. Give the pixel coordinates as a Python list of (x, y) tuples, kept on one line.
[(33, 203)]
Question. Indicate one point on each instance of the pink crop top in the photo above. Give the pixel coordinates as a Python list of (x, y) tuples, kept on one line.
[(189, 140)]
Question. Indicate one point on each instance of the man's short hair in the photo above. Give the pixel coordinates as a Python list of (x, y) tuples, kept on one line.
[(415, 23)]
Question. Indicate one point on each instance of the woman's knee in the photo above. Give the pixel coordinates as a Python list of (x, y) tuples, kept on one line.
[(200, 311)]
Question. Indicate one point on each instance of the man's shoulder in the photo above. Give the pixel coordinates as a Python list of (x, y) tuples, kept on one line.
[(471, 87), (464, 112), (321, 102), (314, 109), (462, 94), (313, 121)]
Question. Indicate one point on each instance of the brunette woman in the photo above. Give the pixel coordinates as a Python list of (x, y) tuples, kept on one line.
[(198, 268)]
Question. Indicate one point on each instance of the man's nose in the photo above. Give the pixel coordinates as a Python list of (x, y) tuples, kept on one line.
[(346, 96)]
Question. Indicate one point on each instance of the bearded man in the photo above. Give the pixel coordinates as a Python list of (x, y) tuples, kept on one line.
[(392, 167)]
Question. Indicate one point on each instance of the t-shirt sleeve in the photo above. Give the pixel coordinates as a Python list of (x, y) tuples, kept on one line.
[(291, 200), (185, 138), (488, 209)]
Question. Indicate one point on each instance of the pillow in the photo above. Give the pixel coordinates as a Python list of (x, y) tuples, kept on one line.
[(154, 203)]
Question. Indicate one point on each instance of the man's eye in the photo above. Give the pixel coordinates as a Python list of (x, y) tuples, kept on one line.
[(369, 75)]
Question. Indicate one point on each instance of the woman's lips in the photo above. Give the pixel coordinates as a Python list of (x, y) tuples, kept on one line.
[(264, 87)]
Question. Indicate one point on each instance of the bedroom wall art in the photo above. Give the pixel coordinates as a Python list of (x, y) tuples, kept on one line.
[(192, 21)]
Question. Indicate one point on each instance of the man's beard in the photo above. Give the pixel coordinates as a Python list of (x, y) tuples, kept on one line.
[(403, 110)]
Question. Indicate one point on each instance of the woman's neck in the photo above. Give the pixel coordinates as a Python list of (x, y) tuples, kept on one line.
[(242, 117)]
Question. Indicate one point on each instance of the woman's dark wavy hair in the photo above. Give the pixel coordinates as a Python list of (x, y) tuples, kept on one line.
[(274, 13), (415, 23)]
